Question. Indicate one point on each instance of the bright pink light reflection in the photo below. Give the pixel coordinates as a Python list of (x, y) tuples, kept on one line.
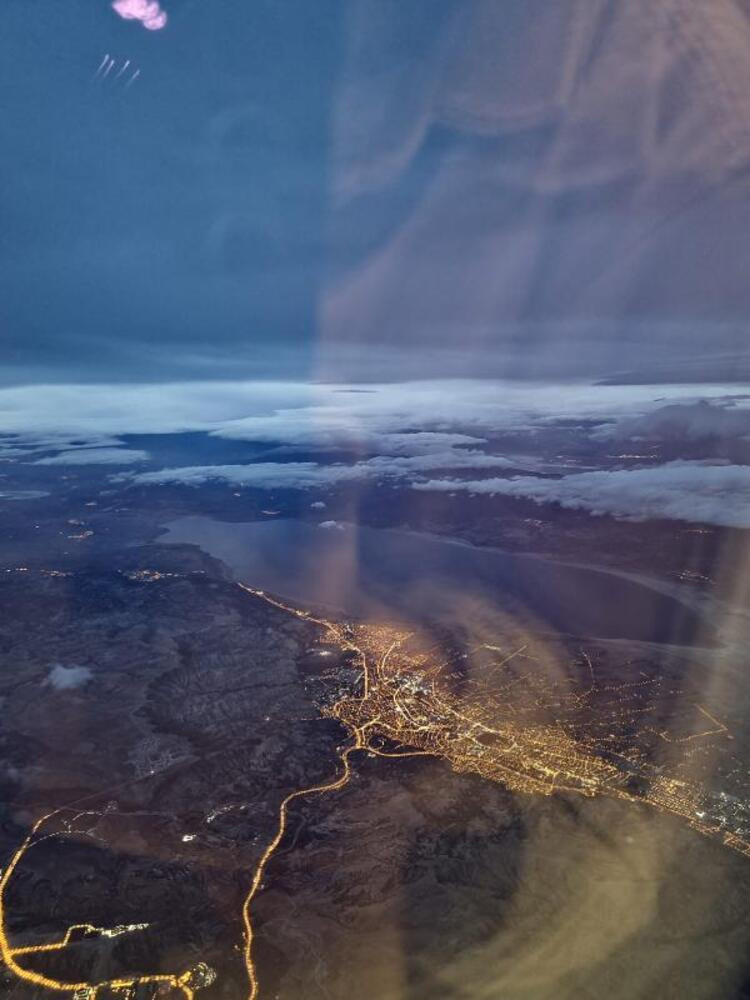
[(148, 12)]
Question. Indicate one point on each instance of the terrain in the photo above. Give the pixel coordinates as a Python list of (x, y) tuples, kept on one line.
[(212, 789)]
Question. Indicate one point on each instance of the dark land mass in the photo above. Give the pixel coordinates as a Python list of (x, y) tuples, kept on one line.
[(173, 712)]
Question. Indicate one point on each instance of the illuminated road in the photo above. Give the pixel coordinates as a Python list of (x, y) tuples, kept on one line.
[(507, 726), (85, 989), (359, 743)]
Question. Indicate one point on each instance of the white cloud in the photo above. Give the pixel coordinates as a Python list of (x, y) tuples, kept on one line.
[(68, 678), (318, 505), (304, 475), (36, 442), (443, 413), (396, 465), (96, 456), (690, 422), (683, 491), (22, 494), (332, 525), (263, 475), (404, 432)]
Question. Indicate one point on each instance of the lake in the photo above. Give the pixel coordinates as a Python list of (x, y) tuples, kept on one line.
[(372, 572)]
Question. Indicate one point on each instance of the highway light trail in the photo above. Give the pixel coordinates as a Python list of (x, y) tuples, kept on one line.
[(256, 884), (83, 988), (358, 733)]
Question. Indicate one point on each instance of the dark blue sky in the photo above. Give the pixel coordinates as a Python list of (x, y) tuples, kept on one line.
[(183, 214), (295, 186)]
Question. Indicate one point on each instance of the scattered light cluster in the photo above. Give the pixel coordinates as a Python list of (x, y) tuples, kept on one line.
[(511, 726)]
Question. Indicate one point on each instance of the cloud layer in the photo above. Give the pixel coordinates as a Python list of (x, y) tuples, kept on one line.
[(95, 456), (689, 422), (263, 475), (330, 415), (459, 435), (683, 491), (306, 475)]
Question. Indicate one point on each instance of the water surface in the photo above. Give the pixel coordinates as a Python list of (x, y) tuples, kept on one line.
[(371, 571)]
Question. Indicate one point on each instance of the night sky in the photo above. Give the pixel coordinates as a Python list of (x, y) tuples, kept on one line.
[(315, 188), (182, 215)]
